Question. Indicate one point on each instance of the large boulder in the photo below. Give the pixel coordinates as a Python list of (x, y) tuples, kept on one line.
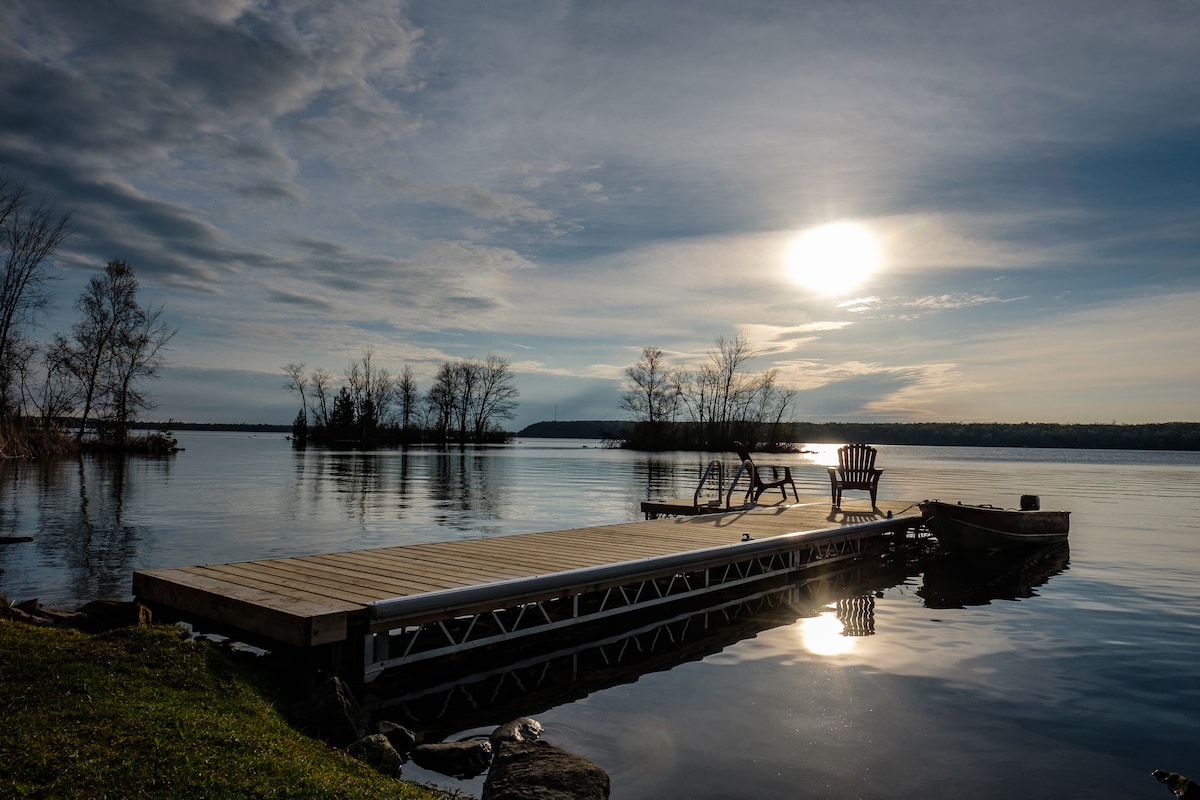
[(377, 752), (331, 714), (401, 737), (523, 729), (541, 771), (456, 759)]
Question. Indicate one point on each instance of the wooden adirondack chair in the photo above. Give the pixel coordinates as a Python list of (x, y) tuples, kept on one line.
[(781, 476), (855, 470)]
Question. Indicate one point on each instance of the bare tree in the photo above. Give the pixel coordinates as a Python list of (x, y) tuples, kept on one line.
[(720, 398), (138, 357), (734, 387), (496, 396), (373, 391), (465, 376), (30, 232), (108, 312), (653, 393), (56, 394), (322, 389), (442, 399), (406, 394), (297, 381)]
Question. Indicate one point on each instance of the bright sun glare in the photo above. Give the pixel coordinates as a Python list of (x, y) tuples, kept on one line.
[(833, 259), (822, 636)]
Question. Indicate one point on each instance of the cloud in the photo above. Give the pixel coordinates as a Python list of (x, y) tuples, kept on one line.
[(568, 183)]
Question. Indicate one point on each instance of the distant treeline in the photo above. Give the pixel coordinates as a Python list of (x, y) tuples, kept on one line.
[(246, 427), (1157, 436)]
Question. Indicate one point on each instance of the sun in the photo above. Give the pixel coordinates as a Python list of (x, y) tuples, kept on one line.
[(833, 259)]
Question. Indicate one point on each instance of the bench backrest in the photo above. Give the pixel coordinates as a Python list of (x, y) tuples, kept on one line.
[(856, 461)]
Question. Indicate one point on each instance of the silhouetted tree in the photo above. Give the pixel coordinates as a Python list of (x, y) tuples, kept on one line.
[(722, 401), (139, 356), (297, 381), (496, 395), (341, 418), (322, 389), (108, 313), (115, 346), (653, 394), (407, 396), (30, 232), (441, 400)]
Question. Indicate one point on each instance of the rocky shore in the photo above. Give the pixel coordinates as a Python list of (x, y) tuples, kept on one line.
[(519, 764)]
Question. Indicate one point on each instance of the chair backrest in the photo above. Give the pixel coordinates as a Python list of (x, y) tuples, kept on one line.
[(856, 459), (742, 452)]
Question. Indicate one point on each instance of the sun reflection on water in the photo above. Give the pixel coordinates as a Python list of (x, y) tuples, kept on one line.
[(823, 635), (824, 455)]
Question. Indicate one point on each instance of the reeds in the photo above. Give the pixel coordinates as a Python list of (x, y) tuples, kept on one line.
[(19, 439)]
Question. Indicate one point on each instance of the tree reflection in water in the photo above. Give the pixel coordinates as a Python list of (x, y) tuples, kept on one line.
[(80, 519)]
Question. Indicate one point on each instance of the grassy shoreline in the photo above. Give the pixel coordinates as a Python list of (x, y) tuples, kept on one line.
[(144, 712)]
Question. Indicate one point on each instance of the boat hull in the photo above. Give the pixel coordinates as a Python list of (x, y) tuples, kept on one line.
[(984, 529)]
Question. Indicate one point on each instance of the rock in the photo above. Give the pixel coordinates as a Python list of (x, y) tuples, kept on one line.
[(15, 539), (105, 615), (331, 714), (401, 737), (1181, 786), (456, 759), (20, 614), (523, 729), (541, 771), (377, 752)]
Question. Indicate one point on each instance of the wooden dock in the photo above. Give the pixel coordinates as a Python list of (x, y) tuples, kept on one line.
[(401, 604)]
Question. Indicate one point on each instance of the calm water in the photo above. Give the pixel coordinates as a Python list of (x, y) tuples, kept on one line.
[(933, 681)]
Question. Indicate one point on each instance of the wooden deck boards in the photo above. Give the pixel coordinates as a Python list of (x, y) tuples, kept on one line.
[(307, 600)]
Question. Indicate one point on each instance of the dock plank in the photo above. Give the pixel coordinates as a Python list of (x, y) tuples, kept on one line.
[(269, 576)]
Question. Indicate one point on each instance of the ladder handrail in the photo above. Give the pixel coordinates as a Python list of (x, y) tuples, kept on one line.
[(744, 467), (716, 462)]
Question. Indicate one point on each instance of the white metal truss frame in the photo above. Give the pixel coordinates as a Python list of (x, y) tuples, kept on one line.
[(411, 629)]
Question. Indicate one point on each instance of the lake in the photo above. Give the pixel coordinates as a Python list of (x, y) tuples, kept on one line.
[(1075, 675)]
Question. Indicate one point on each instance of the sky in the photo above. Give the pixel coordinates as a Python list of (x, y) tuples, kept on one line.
[(1000, 202)]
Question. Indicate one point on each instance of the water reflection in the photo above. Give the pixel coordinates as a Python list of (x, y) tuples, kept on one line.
[(956, 582), (78, 520), (489, 687)]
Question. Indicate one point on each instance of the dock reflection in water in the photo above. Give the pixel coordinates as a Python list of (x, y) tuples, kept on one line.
[(498, 684), (495, 685)]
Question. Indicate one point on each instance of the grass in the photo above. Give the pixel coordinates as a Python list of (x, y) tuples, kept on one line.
[(141, 712), (23, 440)]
